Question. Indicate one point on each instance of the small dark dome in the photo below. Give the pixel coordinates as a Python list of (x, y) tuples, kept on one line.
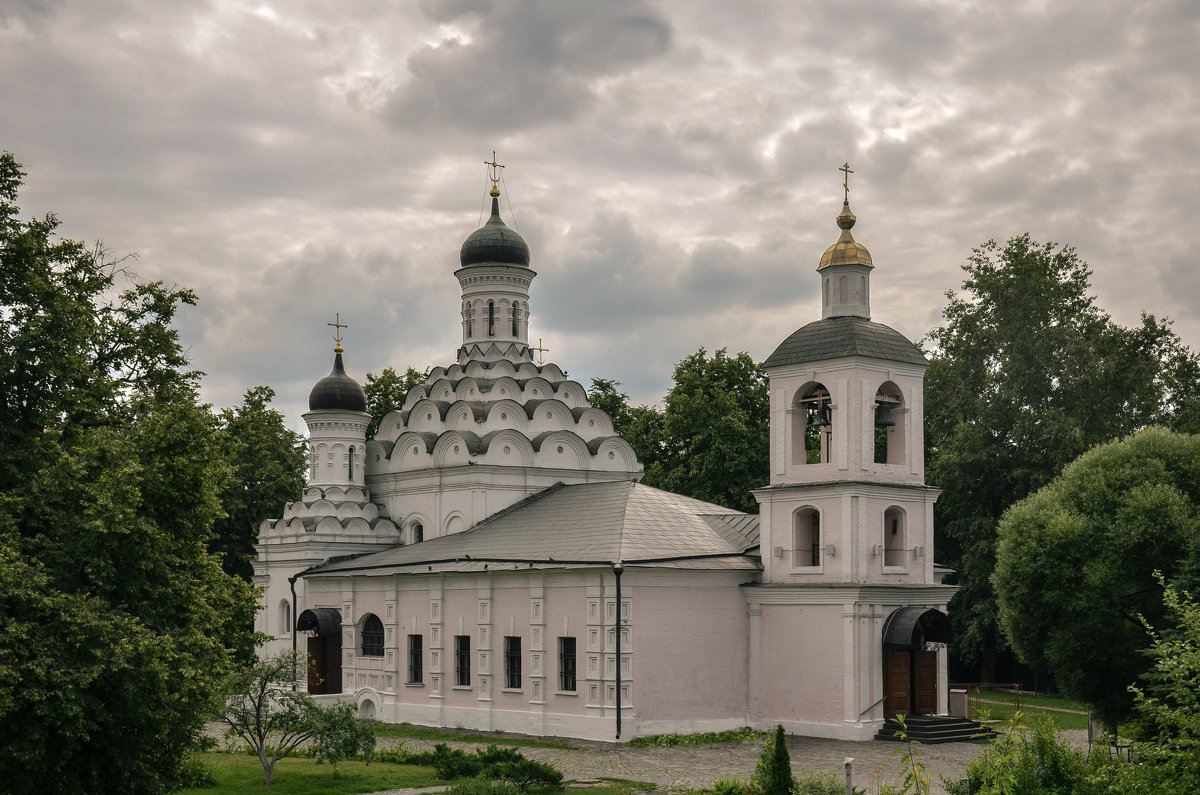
[(337, 391), (494, 242)]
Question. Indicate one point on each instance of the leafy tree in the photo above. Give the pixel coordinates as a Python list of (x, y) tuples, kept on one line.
[(117, 622), (641, 426), (715, 430), (1076, 562), (1026, 374), (1169, 699), (339, 734), (269, 464), (264, 709), (386, 392)]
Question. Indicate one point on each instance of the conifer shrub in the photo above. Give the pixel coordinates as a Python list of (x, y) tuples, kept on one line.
[(773, 773), (819, 782)]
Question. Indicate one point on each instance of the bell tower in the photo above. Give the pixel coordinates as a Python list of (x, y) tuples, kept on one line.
[(846, 521)]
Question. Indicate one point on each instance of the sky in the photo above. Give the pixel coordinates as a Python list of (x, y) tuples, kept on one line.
[(673, 165)]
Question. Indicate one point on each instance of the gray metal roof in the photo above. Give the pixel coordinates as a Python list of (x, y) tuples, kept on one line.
[(836, 337), (581, 525)]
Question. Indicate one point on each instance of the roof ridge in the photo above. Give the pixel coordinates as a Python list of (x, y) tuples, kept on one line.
[(532, 498), (630, 485)]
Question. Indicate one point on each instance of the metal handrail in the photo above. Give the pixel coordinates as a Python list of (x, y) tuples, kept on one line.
[(873, 706)]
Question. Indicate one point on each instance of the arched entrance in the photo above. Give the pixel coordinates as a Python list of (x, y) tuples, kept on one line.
[(323, 625), (910, 666)]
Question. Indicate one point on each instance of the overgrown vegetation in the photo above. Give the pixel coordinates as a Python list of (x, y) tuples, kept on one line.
[(700, 738), (410, 732)]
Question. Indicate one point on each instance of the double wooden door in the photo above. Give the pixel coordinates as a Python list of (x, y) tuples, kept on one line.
[(910, 682)]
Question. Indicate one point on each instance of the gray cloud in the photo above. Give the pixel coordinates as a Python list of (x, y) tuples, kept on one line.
[(672, 165)]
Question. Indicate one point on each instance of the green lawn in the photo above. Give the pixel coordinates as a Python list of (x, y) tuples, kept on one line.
[(999, 706), (239, 773), (408, 731)]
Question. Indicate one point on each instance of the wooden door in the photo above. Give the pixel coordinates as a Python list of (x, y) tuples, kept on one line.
[(926, 683), (316, 665), (333, 662), (897, 680)]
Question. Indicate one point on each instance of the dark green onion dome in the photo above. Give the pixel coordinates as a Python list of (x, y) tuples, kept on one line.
[(337, 391), (494, 242)]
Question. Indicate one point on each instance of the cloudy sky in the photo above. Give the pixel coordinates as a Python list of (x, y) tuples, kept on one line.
[(673, 165)]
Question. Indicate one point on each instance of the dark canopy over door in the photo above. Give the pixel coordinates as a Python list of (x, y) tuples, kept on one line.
[(324, 649)]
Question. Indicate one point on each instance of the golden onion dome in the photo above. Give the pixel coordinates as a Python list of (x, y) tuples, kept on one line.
[(846, 251)]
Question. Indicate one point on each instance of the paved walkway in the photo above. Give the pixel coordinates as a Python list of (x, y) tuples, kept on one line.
[(699, 766)]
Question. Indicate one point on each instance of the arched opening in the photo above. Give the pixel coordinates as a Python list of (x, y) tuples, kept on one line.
[(515, 310), (889, 424), (372, 636), (806, 537), (826, 284), (467, 317), (323, 626), (285, 617), (491, 318), (812, 425), (418, 533), (913, 637), (895, 537), (350, 465), (843, 289), (366, 710)]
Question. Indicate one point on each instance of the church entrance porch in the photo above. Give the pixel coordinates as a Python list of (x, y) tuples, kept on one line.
[(913, 639), (323, 627)]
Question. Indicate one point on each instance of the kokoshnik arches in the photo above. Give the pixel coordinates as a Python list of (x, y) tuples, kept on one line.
[(490, 560)]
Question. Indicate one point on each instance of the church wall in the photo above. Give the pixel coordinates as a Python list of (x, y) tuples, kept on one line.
[(802, 675), (690, 656)]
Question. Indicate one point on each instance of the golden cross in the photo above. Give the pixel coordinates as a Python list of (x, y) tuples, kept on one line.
[(846, 182), (493, 170), (338, 325), (540, 351)]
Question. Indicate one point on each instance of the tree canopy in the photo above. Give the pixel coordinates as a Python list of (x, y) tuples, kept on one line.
[(1077, 561), (269, 463), (1026, 374), (118, 623), (710, 441), (386, 391)]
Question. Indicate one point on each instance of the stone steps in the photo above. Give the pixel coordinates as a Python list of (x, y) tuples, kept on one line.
[(934, 729)]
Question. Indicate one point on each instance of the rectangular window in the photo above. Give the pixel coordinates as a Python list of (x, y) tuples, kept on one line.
[(415, 659), (512, 662), (462, 660), (566, 664)]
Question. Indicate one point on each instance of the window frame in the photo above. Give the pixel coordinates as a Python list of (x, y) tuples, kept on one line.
[(416, 659), (462, 660), (568, 664), (512, 662), (372, 634)]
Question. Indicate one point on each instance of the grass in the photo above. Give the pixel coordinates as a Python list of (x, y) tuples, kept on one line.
[(411, 732), (701, 738), (627, 784), (241, 774), (999, 705)]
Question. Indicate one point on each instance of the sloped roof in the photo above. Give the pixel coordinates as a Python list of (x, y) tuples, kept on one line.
[(581, 525), (836, 337)]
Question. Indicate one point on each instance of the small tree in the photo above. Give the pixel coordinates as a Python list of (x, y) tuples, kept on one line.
[(338, 734), (265, 710), (773, 773)]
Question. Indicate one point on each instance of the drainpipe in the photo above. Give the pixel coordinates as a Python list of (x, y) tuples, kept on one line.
[(618, 568), (292, 585)]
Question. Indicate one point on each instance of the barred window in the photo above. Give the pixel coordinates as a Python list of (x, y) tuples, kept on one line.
[(372, 636), (415, 672), (462, 660), (566, 664), (512, 662)]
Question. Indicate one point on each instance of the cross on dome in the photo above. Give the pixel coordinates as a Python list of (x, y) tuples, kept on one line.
[(494, 174), (338, 325), (845, 181)]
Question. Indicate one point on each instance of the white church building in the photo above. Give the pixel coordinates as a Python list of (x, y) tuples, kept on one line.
[(489, 560)]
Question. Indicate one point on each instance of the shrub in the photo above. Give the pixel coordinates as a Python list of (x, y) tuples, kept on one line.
[(451, 763), (481, 786), (819, 782), (194, 774), (1036, 761), (730, 786), (525, 773)]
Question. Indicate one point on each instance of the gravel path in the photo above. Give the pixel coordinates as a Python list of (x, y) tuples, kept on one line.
[(699, 766)]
